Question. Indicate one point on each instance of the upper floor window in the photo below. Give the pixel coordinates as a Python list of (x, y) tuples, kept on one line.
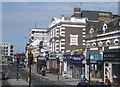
[(104, 27), (100, 43), (73, 39), (116, 41), (11, 47), (91, 30), (87, 45), (93, 44), (108, 42), (33, 32)]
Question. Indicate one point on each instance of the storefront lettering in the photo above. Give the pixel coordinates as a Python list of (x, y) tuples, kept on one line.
[(109, 55), (76, 58)]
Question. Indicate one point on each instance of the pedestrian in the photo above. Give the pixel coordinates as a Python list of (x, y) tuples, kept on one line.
[(43, 70), (82, 79), (107, 81)]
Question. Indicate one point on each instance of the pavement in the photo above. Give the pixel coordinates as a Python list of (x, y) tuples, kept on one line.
[(19, 82), (14, 83), (54, 78)]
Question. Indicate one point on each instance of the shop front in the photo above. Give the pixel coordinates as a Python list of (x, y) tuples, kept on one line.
[(112, 65), (73, 65), (95, 66)]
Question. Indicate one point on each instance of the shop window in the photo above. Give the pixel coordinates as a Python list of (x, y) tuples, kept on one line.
[(71, 67)]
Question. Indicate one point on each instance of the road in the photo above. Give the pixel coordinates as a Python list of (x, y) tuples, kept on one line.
[(11, 71)]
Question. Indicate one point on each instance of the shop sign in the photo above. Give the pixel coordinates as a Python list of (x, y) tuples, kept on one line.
[(111, 56), (94, 57), (74, 57)]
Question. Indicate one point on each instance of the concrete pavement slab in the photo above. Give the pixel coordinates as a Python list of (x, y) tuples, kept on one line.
[(19, 82)]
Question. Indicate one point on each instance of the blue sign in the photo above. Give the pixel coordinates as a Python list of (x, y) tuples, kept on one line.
[(74, 58), (94, 57)]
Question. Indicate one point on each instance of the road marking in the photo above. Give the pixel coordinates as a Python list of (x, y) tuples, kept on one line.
[(6, 75), (9, 70)]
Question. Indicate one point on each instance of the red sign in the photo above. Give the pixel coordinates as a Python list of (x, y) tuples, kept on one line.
[(31, 55), (18, 56)]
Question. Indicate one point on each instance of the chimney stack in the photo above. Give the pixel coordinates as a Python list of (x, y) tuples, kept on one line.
[(77, 12)]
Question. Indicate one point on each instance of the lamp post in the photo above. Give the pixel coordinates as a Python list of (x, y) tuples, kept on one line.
[(89, 67), (58, 66), (84, 62), (18, 58)]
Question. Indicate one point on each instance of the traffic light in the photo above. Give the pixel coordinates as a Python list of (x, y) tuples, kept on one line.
[(30, 55), (18, 58)]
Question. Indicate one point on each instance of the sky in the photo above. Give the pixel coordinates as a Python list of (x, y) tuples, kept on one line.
[(19, 17)]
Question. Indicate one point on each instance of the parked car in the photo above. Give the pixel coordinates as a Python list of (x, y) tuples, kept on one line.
[(20, 65)]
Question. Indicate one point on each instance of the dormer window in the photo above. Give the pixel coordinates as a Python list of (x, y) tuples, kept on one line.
[(93, 44), (87, 45), (108, 42), (104, 27), (116, 41), (100, 43), (91, 30)]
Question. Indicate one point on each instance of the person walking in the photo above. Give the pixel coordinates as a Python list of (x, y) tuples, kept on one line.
[(43, 70), (107, 81)]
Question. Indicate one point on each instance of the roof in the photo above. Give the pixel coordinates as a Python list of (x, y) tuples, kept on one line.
[(93, 15)]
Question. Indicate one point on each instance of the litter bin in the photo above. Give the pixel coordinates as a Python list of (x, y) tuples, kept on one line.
[(43, 72)]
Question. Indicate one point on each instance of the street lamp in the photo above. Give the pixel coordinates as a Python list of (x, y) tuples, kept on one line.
[(58, 66), (84, 62), (89, 67)]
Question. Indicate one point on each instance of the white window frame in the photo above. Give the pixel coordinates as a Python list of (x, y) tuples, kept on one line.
[(73, 39)]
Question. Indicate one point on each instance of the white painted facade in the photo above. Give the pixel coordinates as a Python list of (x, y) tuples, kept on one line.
[(36, 36), (7, 48)]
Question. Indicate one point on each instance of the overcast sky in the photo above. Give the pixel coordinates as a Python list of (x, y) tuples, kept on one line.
[(19, 17)]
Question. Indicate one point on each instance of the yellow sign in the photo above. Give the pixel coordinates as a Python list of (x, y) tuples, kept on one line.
[(78, 51)]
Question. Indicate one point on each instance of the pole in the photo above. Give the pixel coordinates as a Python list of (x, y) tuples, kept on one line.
[(17, 71), (37, 65), (58, 71), (58, 66), (29, 78), (89, 68), (29, 63)]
